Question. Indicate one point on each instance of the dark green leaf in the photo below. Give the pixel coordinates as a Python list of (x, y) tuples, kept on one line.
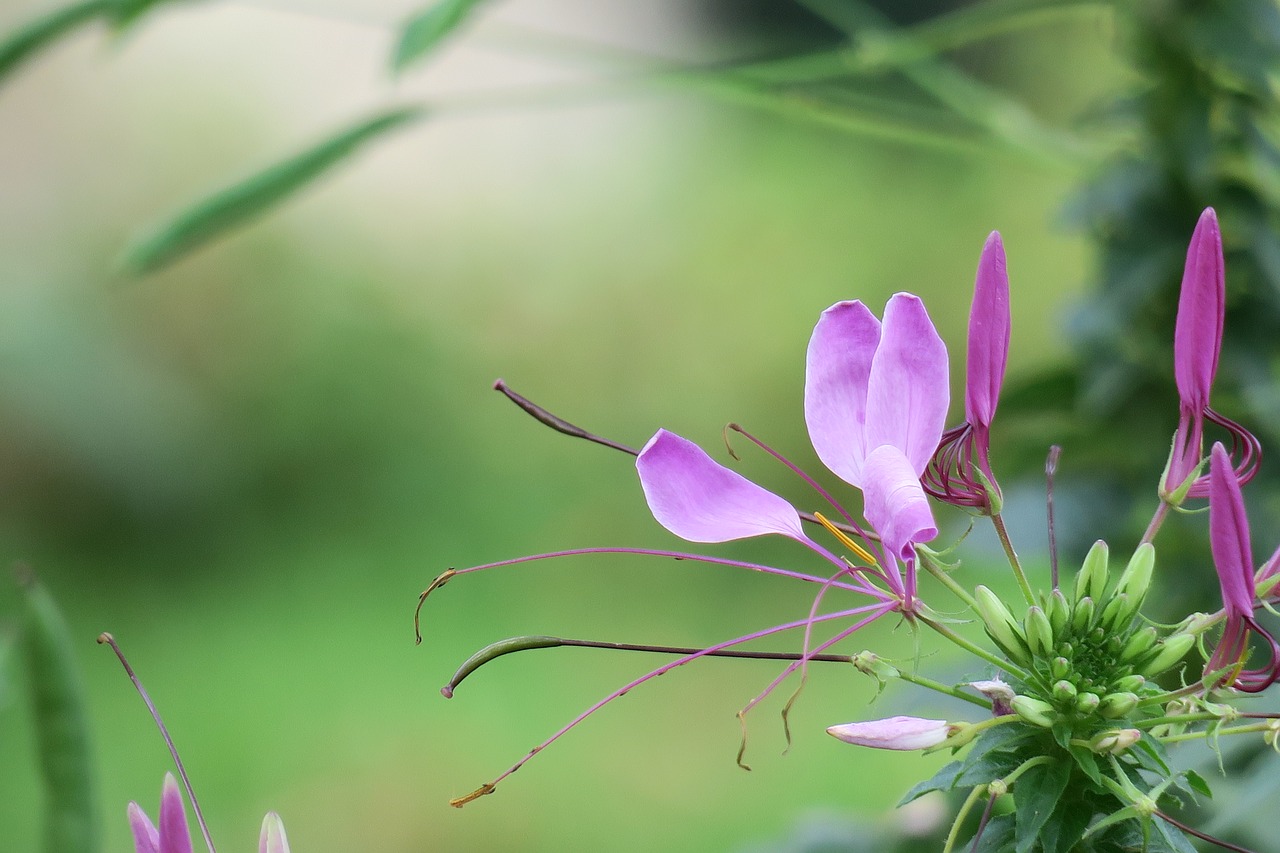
[(997, 835), (1174, 839), (427, 29), (1070, 819), (61, 723), (1036, 794), (44, 31), (1151, 755), (989, 767), (1197, 783), (943, 780), (241, 202), (1087, 762), (1062, 733)]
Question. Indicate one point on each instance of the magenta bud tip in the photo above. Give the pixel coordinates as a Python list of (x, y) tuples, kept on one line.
[(446, 691)]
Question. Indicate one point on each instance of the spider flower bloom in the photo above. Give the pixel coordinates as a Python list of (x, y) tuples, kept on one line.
[(1197, 341), (903, 733), (173, 836), (951, 476), (875, 401), (1233, 558)]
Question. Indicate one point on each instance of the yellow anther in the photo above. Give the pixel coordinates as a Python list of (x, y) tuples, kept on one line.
[(845, 540)]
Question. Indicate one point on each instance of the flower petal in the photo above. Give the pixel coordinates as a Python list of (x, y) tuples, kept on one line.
[(1229, 535), (908, 389), (894, 733), (700, 500), (174, 835), (989, 323), (895, 503), (837, 368), (1197, 335), (273, 839), (146, 839)]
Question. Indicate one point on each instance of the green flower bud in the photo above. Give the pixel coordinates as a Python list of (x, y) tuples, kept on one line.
[(1082, 615), (1001, 626), (1058, 610), (1117, 614), (1117, 705), (1059, 668), (1087, 703), (1136, 579), (1139, 644), (1166, 654), (1129, 684), (1034, 711), (1039, 632), (1115, 741), (1064, 691), (1092, 579)]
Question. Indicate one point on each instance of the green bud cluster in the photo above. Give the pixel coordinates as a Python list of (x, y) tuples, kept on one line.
[(1087, 657)]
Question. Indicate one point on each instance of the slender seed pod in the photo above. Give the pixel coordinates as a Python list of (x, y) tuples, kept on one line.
[(1117, 705), (1001, 626), (1039, 632), (1082, 616), (1092, 580), (1139, 644), (61, 723), (1034, 711), (1165, 654)]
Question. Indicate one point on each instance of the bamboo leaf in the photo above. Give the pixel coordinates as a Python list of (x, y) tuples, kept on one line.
[(251, 197), (61, 723), (426, 30), (30, 38)]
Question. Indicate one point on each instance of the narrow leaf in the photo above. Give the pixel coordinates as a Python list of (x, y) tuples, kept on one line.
[(1197, 783), (125, 12), (1036, 794), (427, 29), (241, 202), (61, 723), (30, 38)]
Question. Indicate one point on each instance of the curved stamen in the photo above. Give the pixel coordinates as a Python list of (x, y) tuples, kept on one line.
[(489, 787), (795, 469)]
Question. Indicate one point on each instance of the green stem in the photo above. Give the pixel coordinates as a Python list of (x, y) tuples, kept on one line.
[(973, 648), (1172, 694), (1237, 730), (929, 683), (949, 582), (1198, 717), (969, 803), (1002, 532)]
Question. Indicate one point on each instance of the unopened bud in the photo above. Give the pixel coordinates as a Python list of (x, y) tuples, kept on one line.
[(1082, 615), (1115, 741), (1092, 579), (1039, 632), (1064, 691), (1000, 694), (1139, 644), (1001, 626), (1058, 610), (1115, 705), (1136, 578), (1059, 667), (1166, 654), (1116, 614), (902, 733), (870, 663), (1087, 703), (1129, 684), (1034, 711)]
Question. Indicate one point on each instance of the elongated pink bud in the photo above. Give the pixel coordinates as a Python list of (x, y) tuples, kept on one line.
[(904, 733)]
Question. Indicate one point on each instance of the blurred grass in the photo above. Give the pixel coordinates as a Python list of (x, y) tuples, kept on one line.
[(249, 466)]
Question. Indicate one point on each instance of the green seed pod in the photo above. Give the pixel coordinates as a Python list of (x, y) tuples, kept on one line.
[(1117, 705), (1136, 578), (1065, 692), (1059, 668), (1092, 579), (1139, 644), (1058, 609), (1082, 615), (1165, 654), (1087, 703), (1039, 632), (1034, 711), (1001, 626), (1129, 684), (1116, 614)]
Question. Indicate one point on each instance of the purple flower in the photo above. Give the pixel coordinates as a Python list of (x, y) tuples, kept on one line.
[(904, 733), (1197, 341), (173, 836), (1233, 558), (951, 476)]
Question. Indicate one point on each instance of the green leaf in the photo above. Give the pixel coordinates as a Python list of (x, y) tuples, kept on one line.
[(1036, 794), (1065, 827), (943, 780), (125, 12), (241, 202), (996, 836), (427, 29), (30, 38), (1197, 783), (1087, 762), (61, 723)]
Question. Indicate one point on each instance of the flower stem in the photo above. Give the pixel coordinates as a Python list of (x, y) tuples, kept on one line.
[(949, 582), (1237, 730), (973, 648), (998, 520), (1156, 521), (921, 681), (969, 803)]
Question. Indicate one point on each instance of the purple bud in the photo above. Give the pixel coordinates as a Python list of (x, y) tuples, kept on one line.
[(989, 324), (903, 733), (1197, 336)]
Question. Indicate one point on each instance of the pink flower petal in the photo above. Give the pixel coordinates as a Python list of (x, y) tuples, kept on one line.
[(895, 503), (894, 733), (1197, 335), (273, 839), (989, 323), (146, 839), (1229, 535), (700, 500), (908, 390), (174, 835), (837, 369)]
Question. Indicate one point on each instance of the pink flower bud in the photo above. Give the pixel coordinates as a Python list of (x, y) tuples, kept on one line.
[(903, 733)]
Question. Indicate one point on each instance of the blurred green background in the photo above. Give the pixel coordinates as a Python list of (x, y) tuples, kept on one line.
[(249, 465)]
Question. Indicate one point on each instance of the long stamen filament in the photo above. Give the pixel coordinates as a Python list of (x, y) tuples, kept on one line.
[(844, 539)]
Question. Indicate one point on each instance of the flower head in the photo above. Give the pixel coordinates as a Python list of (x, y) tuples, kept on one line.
[(173, 836), (1233, 558), (903, 733), (951, 476), (1197, 342)]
